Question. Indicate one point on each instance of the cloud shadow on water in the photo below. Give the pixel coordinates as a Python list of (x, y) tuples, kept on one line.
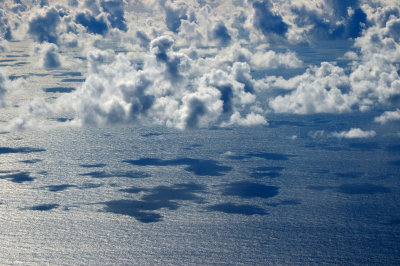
[(127, 174), (90, 185), (19, 177), (43, 207), (72, 80), (160, 197), (61, 119), (245, 189), (31, 161), (153, 134), (232, 208), (97, 165), (57, 188), (319, 188), (140, 210), (133, 190), (59, 90), (5, 150), (66, 74), (197, 166)]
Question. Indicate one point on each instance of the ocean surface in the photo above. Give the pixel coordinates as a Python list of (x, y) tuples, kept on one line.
[(249, 196)]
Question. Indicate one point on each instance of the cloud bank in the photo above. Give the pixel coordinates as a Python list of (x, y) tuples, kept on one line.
[(190, 64)]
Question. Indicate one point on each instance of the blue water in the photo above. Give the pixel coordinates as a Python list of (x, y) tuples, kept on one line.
[(236, 196)]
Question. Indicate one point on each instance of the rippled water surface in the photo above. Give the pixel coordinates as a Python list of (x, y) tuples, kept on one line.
[(225, 196)]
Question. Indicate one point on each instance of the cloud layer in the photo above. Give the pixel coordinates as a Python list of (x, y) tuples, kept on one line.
[(189, 64)]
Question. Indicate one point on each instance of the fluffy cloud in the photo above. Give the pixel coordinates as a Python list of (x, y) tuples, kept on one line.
[(8, 86), (5, 28), (221, 34), (354, 133), (273, 60), (267, 21), (3, 88), (198, 63), (3, 46), (251, 119), (93, 24), (388, 116), (174, 14), (115, 13), (117, 91), (50, 57), (43, 26), (318, 90), (373, 79)]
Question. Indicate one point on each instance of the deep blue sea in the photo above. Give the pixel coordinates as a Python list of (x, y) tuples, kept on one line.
[(274, 194)]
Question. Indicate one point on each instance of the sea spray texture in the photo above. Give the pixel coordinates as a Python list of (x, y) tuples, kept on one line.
[(196, 132)]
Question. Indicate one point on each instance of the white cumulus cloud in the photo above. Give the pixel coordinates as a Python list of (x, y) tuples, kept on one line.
[(388, 116), (354, 133)]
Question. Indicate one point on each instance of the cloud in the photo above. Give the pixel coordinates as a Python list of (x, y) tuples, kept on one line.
[(272, 60), (93, 24), (109, 95), (373, 79), (43, 26), (197, 64), (174, 13), (221, 34), (3, 88), (266, 21), (175, 63), (115, 10), (388, 116), (251, 119), (8, 86), (142, 38), (200, 109), (5, 28), (354, 133), (318, 90), (169, 89), (50, 56), (3, 46), (327, 20)]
